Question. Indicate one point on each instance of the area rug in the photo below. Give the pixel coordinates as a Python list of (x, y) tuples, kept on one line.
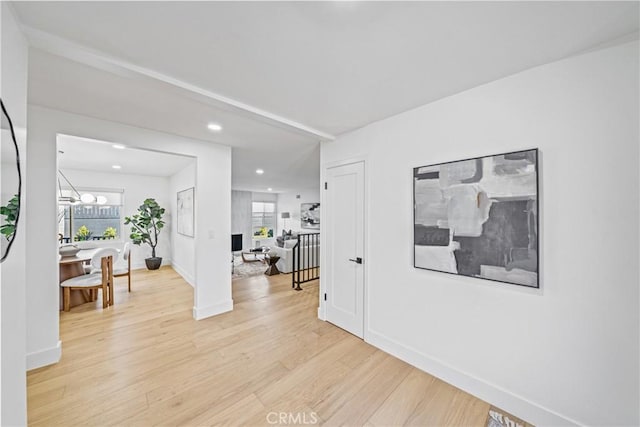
[(247, 269), (499, 418)]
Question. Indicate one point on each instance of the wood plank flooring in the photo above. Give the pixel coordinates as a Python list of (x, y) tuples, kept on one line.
[(145, 361)]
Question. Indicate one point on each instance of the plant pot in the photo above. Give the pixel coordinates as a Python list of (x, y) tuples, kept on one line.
[(153, 263)]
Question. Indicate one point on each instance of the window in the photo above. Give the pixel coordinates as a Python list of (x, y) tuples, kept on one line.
[(92, 221), (263, 219)]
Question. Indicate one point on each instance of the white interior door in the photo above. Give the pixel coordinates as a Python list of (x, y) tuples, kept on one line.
[(344, 234)]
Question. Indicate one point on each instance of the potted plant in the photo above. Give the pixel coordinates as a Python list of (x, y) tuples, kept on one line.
[(145, 228), (109, 233), (83, 234)]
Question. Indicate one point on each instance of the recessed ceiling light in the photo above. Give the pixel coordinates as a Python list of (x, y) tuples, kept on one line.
[(269, 189), (259, 171), (116, 167), (118, 146), (214, 127)]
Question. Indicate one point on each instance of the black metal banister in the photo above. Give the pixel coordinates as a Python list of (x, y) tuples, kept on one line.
[(306, 259)]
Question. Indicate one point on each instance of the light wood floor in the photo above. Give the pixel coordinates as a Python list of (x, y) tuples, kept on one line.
[(145, 361)]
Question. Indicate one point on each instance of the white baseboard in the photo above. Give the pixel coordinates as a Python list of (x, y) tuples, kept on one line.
[(497, 396), (200, 313), (45, 357), (186, 276)]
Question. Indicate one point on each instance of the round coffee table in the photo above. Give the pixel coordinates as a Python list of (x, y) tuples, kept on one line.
[(273, 269), (246, 255)]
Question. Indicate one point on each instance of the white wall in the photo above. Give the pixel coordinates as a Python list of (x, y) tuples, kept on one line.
[(212, 243), (13, 90), (566, 353), (8, 168), (288, 202), (136, 188), (183, 247)]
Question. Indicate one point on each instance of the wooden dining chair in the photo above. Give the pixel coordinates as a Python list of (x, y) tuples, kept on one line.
[(102, 280), (94, 264), (121, 271)]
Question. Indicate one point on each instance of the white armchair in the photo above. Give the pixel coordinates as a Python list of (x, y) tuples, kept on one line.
[(285, 263)]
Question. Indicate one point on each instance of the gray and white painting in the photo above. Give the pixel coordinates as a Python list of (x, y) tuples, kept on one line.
[(479, 217), (310, 215), (185, 214)]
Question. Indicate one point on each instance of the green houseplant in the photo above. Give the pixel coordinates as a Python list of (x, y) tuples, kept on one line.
[(109, 233), (10, 213), (145, 228), (83, 234)]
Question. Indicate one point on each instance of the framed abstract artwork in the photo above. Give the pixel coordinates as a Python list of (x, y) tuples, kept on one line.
[(185, 212), (310, 215), (479, 217)]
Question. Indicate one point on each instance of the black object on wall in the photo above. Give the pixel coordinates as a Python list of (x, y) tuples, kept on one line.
[(236, 242)]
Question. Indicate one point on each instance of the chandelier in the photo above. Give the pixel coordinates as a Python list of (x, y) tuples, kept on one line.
[(75, 197)]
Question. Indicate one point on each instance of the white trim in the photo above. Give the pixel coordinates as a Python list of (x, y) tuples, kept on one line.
[(77, 52), (186, 276), (355, 159), (45, 357), (322, 309), (200, 313), (497, 396)]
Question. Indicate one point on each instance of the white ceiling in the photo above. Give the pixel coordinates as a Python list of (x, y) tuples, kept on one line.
[(290, 160), (100, 156), (279, 76)]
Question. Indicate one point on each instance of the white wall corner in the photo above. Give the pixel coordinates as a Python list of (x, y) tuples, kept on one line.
[(499, 397), (45, 357), (200, 313), (185, 275)]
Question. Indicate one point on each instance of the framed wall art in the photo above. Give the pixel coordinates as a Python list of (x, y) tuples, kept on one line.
[(185, 212), (310, 215), (479, 217)]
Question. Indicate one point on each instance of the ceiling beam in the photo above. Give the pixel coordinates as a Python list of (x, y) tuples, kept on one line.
[(62, 47)]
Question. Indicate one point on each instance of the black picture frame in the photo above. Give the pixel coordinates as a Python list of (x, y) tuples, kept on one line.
[(507, 217)]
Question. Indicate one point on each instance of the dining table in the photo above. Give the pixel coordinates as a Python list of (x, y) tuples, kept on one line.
[(72, 266)]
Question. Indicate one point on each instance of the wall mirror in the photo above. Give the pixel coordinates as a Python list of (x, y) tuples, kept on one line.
[(10, 184)]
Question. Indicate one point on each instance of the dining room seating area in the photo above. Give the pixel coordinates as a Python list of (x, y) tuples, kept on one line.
[(89, 272)]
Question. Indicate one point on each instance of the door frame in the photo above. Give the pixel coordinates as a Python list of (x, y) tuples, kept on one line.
[(322, 313)]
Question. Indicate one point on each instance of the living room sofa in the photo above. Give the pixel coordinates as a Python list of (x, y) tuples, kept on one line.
[(285, 263)]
